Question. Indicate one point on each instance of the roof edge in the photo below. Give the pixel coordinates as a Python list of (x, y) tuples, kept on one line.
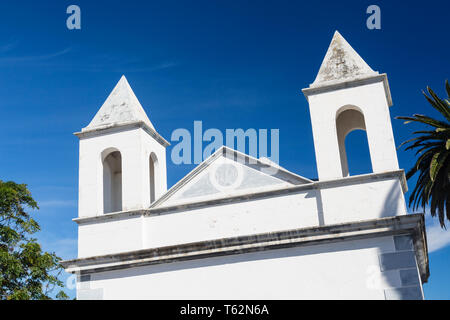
[(407, 224), (345, 84), (89, 133), (276, 191), (203, 165)]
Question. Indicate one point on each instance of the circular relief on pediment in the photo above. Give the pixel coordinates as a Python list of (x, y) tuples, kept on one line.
[(226, 176)]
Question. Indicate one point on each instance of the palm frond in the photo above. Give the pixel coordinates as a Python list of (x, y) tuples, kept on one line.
[(433, 163)]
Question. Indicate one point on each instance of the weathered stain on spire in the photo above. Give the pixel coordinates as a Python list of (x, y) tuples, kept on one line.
[(121, 106), (341, 63)]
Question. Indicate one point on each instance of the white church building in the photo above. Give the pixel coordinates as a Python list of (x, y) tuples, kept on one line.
[(237, 227)]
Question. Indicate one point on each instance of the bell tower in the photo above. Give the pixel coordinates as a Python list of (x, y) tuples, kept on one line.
[(122, 157), (348, 95)]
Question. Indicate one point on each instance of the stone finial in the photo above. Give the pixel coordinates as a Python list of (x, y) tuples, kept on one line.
[(341, 63), (121, 106)]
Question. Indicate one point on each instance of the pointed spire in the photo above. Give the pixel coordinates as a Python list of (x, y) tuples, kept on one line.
[(341, 63), (120, 107)]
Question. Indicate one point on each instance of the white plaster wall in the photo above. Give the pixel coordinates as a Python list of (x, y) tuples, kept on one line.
[(215, 222), (114, 236), (135, 146), (331, 205), (371, 99), (345, 270), (228, 220), (363, 201)]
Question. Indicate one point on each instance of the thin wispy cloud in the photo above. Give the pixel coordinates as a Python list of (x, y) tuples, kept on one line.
[(4, 48), (54, 188), (127, 67), (25, 140), (56, 203), (34, 58), (164, 65), (95, 63), (65, 248), (108, 65), (437, 238)]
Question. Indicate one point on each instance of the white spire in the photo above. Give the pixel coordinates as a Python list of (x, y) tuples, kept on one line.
[(120, 107), (341, 63)]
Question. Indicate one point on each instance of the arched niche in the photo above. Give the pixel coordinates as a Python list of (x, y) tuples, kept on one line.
[(112, 180), (153, 176)]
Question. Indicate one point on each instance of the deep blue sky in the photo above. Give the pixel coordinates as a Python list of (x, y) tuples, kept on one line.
[(231, 64)]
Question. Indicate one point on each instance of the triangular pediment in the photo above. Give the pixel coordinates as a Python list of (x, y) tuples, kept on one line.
[(228, 173), (341, 63), (121, 107)]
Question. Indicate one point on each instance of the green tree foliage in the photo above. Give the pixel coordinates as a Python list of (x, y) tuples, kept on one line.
[(433, 158), (26, 272)]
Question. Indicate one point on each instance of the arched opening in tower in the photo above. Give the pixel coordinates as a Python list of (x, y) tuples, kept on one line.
[(353, 143)]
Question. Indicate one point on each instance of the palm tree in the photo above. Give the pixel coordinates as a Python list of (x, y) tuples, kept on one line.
[(433, 162)]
